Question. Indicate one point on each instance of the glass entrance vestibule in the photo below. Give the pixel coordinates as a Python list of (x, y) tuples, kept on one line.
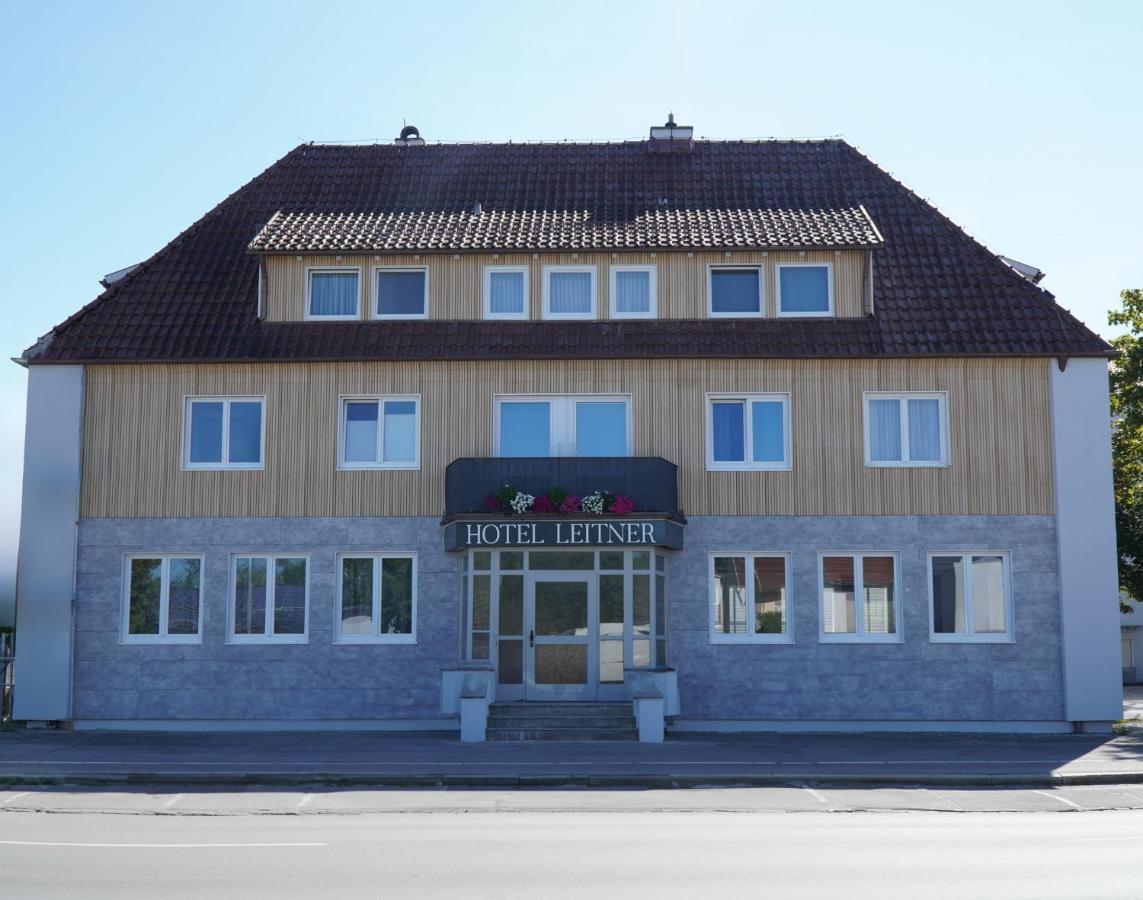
[(564, 624)]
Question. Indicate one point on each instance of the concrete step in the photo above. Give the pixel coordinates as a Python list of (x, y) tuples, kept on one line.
[(562, 710), (561, 734), (617, 722)]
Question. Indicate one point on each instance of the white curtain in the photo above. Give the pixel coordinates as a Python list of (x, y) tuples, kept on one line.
[(506, 292), (570, 292), (924, 430), (333, 293), (988, 595), (884, 430), (632, 292)]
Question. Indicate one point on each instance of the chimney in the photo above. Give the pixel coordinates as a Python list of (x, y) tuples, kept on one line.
[(409, 137), (671, 138)]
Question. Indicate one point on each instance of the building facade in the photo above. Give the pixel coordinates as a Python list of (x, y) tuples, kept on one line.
[(749, 423)]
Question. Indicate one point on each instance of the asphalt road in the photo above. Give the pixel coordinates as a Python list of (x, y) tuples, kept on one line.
[(510, 854)]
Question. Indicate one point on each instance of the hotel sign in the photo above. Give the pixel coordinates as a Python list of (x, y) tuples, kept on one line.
[(555, 535)]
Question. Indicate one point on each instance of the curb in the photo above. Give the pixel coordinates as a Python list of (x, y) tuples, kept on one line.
[(539, 782)]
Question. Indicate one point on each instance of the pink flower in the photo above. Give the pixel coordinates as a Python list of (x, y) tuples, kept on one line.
[(491, 502), (570, 505), (622, 505), (543, 505)]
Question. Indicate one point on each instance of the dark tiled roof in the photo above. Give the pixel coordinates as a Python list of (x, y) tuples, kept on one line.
[(541, 229), (937, 291)]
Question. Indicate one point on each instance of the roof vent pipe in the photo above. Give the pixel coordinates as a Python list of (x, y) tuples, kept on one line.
[(409, 137)]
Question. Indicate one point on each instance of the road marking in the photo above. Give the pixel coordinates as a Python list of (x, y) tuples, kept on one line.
[(175, 799), (817, 795), (154, 846), (306, 798), (1052, 796), (14, 798)]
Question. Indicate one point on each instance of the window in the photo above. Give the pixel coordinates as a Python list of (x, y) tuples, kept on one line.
[(223, 433), (569, 292), (377, 598), (269, 599), (971, 597), (735, 291), (402, 294), (748, 597), (163, 599), (563, 426), (333, 293), (748, 431), (805, 289), (380, 433), (906, 429), (632, 292), (505, 292), (859, 597)]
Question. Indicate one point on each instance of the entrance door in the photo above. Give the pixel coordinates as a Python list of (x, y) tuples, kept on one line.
[(561, 609)]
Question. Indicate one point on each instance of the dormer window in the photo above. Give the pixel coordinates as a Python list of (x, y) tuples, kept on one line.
[(735, 291), (333, 293), (569, 292), (402, 294), (805, 289)]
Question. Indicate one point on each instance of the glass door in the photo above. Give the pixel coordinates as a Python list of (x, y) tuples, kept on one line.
[(560, 653)]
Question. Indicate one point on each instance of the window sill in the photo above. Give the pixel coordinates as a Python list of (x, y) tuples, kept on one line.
[(752, 639), (971, 639), (569, 317), (506, 317), (152, 639), (870, 464), (397, 317), (246, 640), (353, 318), (374, 467), (375, 639), (860, 639), (711, 314), (230, 467), (824, 314), (757, 467), (631, 315)]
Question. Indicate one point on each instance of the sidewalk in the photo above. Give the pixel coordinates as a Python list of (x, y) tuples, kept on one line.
[(425, 759)]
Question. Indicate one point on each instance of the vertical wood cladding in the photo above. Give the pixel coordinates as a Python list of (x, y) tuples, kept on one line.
[(998, 411), (456, 285)]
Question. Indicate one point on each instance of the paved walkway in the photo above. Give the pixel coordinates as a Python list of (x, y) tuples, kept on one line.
[(440, 759)]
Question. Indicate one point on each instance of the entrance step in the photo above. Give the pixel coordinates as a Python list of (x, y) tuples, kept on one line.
[(561, 722)]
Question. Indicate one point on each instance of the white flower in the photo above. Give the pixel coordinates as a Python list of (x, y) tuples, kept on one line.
[(593, 503), (522, 502)]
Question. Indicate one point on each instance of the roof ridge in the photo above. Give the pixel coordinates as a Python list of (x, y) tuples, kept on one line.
[(367, 143), (110, 293)]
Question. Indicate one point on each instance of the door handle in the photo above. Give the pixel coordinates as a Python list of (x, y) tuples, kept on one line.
[(531, 638)]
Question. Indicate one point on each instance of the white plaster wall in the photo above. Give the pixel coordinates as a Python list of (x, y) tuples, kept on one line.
[(45, 573), (1085, 511)]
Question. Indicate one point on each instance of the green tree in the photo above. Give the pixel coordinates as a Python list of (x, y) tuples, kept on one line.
[(1127, 441)]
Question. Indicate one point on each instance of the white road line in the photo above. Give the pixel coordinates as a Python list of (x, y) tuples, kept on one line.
[(815, 794), (1065, 800), (175, 799), (14, 798), (306, 798), (153, 846)]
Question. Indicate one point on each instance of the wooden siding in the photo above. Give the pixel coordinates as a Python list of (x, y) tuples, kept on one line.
[(456, 285), (998, 421)]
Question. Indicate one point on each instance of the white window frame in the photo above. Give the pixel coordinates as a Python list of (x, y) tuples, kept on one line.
[(376, 313), (561, 419), (717, 637), (268, 636), (828, 266), (226, 402), (748, 464), (489, 271), (344, 399), (969, 636), (374, 637), (332, 270), (652, 310), (712, 268), (592, 314), (902, 398), (860, 635), (125, 636)]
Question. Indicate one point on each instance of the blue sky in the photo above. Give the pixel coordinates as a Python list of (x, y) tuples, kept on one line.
[(124, 122)]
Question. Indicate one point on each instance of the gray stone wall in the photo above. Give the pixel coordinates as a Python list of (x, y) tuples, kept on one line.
[(910, 680), (216, 680), (805, 680)]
